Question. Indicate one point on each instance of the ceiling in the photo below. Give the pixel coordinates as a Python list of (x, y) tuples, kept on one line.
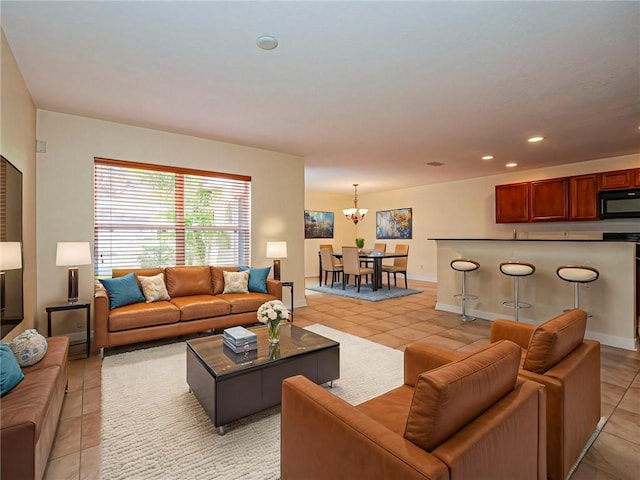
[(366, 92)]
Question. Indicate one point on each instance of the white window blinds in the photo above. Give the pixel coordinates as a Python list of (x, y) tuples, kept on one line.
[(156, 216)]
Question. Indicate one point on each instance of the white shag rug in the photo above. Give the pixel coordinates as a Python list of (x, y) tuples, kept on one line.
[(153, 428)]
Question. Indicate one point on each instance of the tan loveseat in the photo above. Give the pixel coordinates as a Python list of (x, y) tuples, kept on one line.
[(471, 419), (29, 414), (197, 304)]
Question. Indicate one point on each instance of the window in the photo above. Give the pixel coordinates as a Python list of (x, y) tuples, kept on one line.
[(156, 216)]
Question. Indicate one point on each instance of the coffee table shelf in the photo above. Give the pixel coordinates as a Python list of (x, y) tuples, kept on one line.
[(232, 386)]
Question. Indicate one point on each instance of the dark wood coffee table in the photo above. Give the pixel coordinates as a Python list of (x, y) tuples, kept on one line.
[(230, 386)]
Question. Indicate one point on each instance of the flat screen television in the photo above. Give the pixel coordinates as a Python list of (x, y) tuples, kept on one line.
[(11, 293)]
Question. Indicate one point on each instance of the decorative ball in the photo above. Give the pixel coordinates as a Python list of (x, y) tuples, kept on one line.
[(29, 347)]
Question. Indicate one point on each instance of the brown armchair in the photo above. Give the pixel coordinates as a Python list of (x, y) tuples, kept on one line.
[(556, 355), (470, 419)]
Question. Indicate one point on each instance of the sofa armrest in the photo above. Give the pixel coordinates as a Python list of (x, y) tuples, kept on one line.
[(519, 333), (325, 437), (274, 287), (101, 316), (419, 358)]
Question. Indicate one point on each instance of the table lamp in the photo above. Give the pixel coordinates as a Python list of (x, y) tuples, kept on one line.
[(10, 259), (276, 250), (72, 254)]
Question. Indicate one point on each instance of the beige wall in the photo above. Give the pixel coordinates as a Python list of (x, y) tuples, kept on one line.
[(17, 144), (463, 209), (65, 191)]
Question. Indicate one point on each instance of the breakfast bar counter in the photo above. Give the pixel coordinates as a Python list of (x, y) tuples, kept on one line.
[(611, 299)]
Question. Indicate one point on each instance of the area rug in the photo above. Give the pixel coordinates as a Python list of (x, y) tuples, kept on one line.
[(366, 292), (152, 427)]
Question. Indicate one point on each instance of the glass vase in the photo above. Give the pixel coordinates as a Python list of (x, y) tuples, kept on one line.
[(273, 330)]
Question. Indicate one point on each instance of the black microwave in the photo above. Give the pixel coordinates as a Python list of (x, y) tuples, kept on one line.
[(619, 203)]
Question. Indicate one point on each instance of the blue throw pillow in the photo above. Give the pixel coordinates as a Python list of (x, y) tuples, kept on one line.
[(122, 290), (257, 278), (10, 373)]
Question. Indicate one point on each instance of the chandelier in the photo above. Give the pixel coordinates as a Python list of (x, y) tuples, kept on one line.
[(355, 214)]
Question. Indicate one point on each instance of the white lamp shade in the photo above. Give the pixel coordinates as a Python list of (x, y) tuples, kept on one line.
[(72, 254), (10, 256), (276, 249)]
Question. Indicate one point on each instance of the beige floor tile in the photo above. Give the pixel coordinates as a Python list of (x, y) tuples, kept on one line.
[(387, 339), (408, 334), (442, 342), (91, 429), (361, 331), (72, 406), (587, 472), (619, 458), (624, 424), (90, 463), (631, 401), (92, 401), (67, 438), (64, 468)]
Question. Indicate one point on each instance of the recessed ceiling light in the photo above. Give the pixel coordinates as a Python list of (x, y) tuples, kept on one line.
[(488, 157), (511, 165), (267, 42), (535, 139), (435, 164)]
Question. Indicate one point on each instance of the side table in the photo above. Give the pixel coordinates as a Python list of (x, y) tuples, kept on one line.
[(289, 285), (77, 305)]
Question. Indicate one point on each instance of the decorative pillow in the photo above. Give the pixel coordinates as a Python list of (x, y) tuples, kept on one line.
[(554, 340), (236, 282), (154, 288), (189, 280), (217, 278), (449, 397), (29, 347), (122, 290), (257, 278), (10, 373)]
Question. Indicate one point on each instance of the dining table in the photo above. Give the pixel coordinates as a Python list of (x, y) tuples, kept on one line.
[(376, 257)]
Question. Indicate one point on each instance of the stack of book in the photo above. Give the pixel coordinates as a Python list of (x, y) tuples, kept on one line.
[(239, 339)]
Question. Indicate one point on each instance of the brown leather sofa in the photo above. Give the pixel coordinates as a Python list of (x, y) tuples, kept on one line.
[(470, 419), (197, 304), (30, 412)]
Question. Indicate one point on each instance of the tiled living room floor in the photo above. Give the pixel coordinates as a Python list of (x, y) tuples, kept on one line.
[(395, 323)]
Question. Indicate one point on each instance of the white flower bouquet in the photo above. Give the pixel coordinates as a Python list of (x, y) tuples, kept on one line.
[(272, 313)]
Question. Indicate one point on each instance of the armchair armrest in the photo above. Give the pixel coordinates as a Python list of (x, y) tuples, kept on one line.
[(519, 333), (101, 316), (419, 358), (325, 437), (274, 287)]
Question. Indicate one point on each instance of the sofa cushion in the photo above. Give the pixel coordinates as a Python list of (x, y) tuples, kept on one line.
[(201, 306), (554, 340), (257, 278), (186, 281), (236, 282), (217, 277), (246, 302), (449, 397), (143, 315), (122, 290), (10, 373), (29, 347), (390, 409), (154, 288)]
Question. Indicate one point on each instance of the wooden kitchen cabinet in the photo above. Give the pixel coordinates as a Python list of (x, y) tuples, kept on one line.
[(583, 197), (512, 203), (549, 200), (617, 179)]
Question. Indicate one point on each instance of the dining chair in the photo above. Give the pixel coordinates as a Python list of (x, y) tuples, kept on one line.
[(326, 256), (351, 264), (335, 261), (399, 266)]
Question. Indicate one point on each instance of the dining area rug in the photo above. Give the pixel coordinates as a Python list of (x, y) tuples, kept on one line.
[(366, 292)]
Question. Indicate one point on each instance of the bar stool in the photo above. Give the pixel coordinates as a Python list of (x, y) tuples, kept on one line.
[(517, 270), (577, 274), (464, 266)]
